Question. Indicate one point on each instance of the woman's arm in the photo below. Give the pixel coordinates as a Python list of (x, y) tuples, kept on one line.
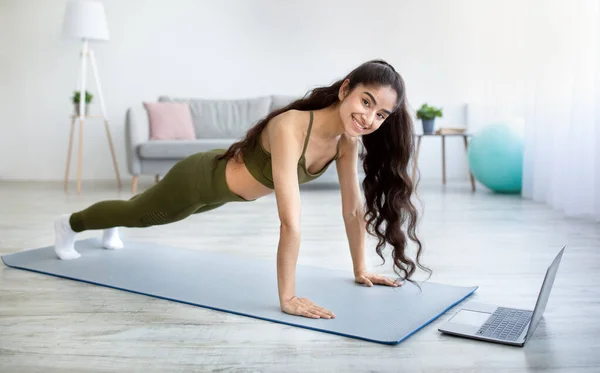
[(354, 214), (286, 149), (352, 206)]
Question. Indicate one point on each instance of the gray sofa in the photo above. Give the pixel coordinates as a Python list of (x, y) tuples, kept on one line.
[(217, 123)]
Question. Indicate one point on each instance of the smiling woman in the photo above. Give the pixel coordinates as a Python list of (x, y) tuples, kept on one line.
[(291, 146)]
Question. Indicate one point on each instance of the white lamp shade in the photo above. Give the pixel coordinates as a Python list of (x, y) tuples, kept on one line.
[(85, 19)]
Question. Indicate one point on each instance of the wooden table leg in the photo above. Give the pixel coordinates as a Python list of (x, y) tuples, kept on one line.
[(69, 151), (80, 157), (415, 159), (443, 159), (468, 168)]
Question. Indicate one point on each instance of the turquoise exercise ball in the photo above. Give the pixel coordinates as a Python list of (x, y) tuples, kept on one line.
[(495, 156)]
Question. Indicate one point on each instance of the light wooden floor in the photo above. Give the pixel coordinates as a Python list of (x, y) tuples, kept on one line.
[(501, 243)]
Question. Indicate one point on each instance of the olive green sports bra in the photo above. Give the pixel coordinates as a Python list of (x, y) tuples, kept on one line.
[(258, 162)]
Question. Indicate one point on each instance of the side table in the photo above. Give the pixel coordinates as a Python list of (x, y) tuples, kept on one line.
[(443, 137), (74, 117)]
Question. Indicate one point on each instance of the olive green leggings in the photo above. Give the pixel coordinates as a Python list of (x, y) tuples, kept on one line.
[(191, 186)]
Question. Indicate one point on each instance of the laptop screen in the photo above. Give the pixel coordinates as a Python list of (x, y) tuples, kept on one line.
[(540, 305)]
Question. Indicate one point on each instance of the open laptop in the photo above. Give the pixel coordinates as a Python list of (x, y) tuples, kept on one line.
[(505, 325)]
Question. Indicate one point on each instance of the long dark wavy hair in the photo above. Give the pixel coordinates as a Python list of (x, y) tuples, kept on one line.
[(385, 158)]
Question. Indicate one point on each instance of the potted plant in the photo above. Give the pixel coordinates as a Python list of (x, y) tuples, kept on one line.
[(76, 98), (427, 114)]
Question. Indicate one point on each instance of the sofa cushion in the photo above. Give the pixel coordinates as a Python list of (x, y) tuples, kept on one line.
[(224, 119), (170, 121), (179, 149)]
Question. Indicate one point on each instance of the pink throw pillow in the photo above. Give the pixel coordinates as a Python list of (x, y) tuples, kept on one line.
[(170, 121)]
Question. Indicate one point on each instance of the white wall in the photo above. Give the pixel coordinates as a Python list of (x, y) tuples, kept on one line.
[(449, 52)]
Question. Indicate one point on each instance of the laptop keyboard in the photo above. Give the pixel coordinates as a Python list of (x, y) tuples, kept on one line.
[(505, 323)]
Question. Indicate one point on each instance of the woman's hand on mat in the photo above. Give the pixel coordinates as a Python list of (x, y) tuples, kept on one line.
[(305, 307), (369, 279)]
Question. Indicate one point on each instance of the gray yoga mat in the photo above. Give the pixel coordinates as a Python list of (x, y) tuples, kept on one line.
[(247, 286)]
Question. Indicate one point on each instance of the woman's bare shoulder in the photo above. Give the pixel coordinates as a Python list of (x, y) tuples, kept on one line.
[(286, 125), (289, 122)]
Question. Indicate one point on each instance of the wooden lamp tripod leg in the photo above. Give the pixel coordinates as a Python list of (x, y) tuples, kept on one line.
[(69, 153), (82, 91), (108, 135)]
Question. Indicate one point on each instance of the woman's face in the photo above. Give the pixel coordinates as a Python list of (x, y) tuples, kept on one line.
[(364, 109)]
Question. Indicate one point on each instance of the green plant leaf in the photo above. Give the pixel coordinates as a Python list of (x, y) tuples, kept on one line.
[(76, 97), (429, 112)]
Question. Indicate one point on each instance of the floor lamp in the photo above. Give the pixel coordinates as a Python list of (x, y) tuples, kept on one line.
[(85, 20)]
